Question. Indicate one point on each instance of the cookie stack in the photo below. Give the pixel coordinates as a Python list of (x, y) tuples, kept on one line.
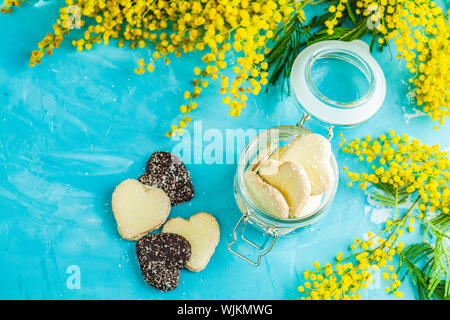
[(142, 206), (285, 181)]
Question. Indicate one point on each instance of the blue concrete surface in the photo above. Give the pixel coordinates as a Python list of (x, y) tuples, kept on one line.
[(74, 127)]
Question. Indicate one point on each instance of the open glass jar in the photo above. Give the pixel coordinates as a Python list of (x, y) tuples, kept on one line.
[(252, 214), (319, 76)]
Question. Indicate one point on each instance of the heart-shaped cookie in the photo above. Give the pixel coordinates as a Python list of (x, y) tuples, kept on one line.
[(167, 172), (203, 233), (139, 209), (320, 174), (291, 180), (309, 147), (160, 257), (313, 203), (266, 197), (312, 152)]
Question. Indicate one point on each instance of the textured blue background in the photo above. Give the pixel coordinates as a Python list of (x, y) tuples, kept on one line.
[(74, 127)]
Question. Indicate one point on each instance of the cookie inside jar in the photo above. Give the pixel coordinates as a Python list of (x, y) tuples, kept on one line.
[(289, 173)]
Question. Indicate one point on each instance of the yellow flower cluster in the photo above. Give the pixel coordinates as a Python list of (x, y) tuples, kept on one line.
[(400, 163), (337, 11), (177, 27), (421, 33), (403, 162), (8, 4), (346, 277), (45, 46)]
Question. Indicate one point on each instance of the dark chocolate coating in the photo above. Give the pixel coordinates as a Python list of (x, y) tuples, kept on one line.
[(160, 257), (167, 172)]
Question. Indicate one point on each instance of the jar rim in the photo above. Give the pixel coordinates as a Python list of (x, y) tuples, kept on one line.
[(353, 59), (337, 115), (265, 217)]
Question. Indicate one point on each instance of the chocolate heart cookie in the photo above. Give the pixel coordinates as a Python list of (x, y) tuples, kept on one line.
[(161, 256), (167, 172)]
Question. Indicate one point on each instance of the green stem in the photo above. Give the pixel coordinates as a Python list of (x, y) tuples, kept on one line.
[(350, 13), (374, 37)]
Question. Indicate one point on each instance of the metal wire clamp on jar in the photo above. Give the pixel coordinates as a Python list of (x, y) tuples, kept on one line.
[(328, 112)]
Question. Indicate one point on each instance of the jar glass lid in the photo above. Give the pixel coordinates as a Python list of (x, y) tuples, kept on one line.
[(338, 82)]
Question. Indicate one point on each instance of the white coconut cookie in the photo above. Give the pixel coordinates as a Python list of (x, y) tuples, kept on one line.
[(203, 234), (310, 147), (311, 205), (139, 209), (291, 180), (320, 174), (313, 153), (266, 197)]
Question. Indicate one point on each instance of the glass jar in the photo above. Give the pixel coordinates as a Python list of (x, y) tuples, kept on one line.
[(272, 226), (336, 83)]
